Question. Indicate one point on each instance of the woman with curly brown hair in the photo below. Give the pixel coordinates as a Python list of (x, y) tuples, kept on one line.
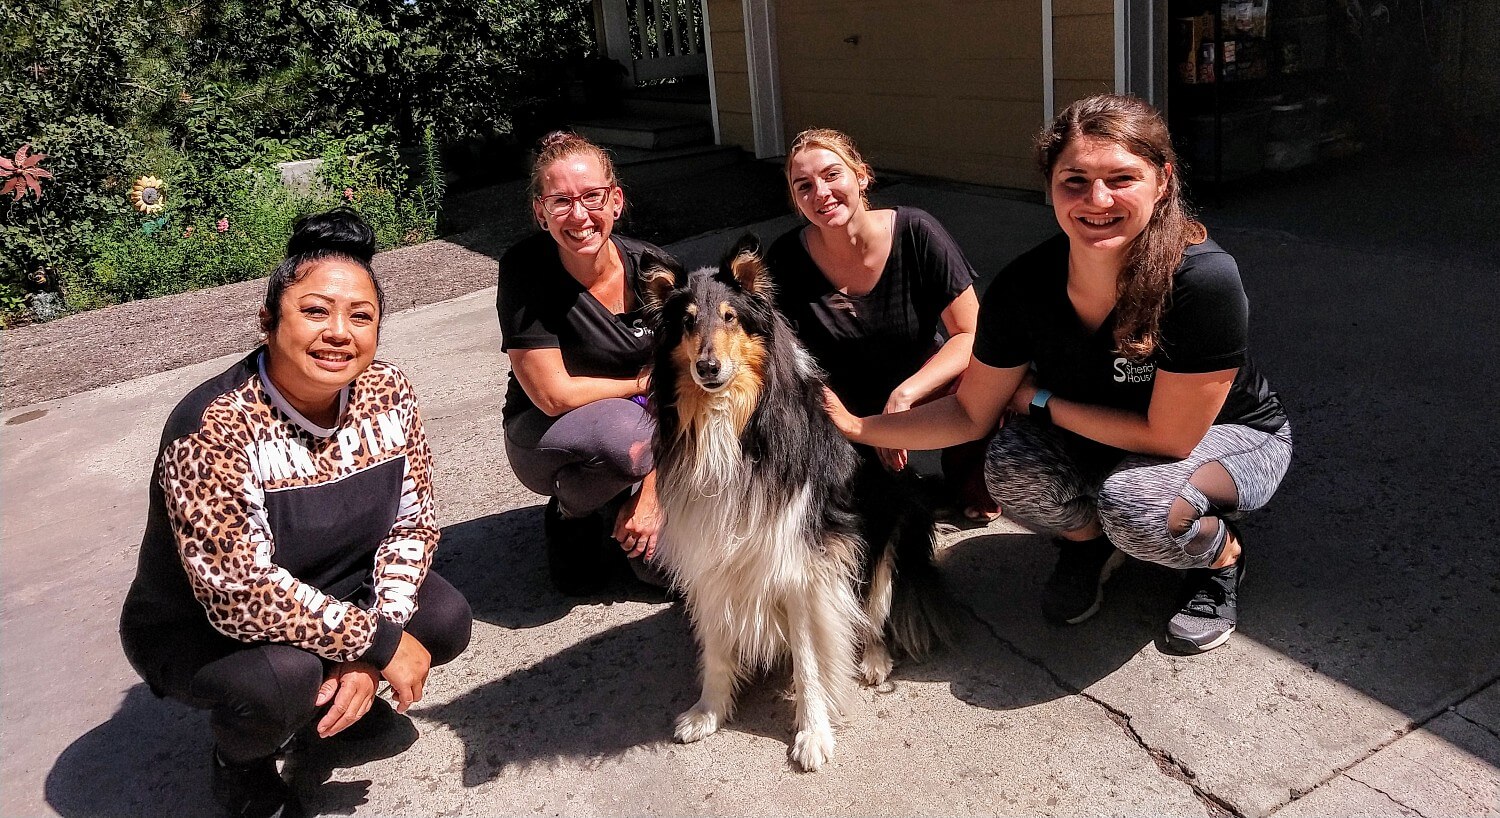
[(1138, 425)]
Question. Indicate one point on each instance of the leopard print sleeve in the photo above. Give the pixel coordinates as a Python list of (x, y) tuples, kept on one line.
[(218, 514), (405, 554)]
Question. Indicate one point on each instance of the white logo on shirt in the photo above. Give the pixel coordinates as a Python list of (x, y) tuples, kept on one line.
[(1127, 372)]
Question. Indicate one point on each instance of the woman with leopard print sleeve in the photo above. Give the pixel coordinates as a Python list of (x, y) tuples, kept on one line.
[(285, 567)]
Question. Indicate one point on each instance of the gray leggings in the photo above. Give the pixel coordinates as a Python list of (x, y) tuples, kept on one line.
[(1152, 508), (584, 457)]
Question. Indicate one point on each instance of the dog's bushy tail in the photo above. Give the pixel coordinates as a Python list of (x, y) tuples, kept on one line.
[(924, 616)]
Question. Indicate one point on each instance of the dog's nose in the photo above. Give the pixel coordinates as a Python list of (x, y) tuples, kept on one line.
[(707, 368)]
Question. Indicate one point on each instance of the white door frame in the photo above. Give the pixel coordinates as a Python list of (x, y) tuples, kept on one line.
[(765, 80)]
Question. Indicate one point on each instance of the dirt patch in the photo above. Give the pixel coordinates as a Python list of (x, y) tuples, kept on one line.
[(43, 362)]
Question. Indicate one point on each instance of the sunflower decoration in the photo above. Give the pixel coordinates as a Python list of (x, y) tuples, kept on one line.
[(148, 194)]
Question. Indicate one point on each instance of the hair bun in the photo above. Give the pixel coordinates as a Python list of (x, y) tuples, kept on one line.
[(338, 231), (556, 139)]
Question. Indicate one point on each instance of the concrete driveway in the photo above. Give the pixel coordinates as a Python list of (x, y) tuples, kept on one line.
[(1362, 681)]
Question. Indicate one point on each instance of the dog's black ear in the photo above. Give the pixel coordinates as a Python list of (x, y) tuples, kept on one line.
[(659, 276), (749, 271)]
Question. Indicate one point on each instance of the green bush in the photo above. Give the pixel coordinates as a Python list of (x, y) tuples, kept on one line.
[(202, 94), (175, 251)]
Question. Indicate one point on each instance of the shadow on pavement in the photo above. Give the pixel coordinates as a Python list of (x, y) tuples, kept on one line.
[(499, 563), (595, 698), (149, 759), (997, 579)]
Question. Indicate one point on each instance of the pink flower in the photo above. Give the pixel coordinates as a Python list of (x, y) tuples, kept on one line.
[(187, 232), (222, 225), (348, 194)]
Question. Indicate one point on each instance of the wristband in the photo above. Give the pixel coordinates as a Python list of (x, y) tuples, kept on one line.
[(1039, 412)]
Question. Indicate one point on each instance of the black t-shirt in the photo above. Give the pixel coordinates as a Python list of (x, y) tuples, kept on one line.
[(1026, 317), (541, 306), (870, 343)]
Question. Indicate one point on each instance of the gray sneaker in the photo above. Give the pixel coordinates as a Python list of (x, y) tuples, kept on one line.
[(1210, 611)]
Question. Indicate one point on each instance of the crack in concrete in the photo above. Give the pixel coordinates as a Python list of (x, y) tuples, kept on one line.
[(1393, 799), (1401, 733), (1481, 725), (1169, 766)]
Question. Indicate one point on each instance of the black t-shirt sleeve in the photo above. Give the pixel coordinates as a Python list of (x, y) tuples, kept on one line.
[(1013, 301), (999, 340), (789, 264), (945, 271), (522, 305), (1206, 325)]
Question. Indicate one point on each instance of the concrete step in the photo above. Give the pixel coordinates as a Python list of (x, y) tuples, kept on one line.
[(685, 109), (650, 133), (648, 167), (687, 98)]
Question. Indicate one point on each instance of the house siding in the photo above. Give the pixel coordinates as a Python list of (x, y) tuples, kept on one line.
[(1083, 50), (948, 88), (726, 20)]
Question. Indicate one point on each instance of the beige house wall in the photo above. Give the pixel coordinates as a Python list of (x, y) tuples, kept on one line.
[(948, 88), (726, 30), (1083, 50)]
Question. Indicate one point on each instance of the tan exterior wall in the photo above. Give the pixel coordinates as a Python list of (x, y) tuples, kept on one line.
[(948, 88), (1083, 49), (726, 30)]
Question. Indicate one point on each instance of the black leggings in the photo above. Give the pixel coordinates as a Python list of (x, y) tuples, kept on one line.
[(260, 694), (585, 457)]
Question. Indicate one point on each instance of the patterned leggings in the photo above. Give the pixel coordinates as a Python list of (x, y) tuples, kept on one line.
[(1152, 508)]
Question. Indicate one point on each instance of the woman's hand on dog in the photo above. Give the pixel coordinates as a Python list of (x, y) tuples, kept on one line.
[(639, 521), (847, 424)]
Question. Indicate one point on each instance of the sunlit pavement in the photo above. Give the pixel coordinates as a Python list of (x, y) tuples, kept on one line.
[(1362, 680)]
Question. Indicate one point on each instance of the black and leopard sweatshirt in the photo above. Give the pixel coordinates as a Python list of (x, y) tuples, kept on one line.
[(282, 531)]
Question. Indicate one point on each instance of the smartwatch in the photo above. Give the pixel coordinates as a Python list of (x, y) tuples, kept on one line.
[(1039, 412)]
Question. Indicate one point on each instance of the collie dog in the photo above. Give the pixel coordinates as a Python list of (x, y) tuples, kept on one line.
[(784, 541)]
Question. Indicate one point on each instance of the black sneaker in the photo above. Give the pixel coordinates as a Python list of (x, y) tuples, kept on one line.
[(1076, 588), (576, 558), (1211, 610), (253, 789)]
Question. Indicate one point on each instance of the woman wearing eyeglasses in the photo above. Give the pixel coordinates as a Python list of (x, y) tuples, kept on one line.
[(576, 427)]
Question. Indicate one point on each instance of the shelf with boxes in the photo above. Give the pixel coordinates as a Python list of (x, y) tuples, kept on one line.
[(1248, 88)]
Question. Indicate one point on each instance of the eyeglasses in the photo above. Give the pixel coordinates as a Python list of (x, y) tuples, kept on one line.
[(559, 204)]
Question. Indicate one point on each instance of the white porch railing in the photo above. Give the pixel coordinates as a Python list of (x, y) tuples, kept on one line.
[(654, 39)]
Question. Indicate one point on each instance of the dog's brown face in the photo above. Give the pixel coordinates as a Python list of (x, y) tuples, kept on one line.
[(712, 332), (715, 349)]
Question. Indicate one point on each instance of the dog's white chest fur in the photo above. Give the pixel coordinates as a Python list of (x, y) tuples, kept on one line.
[(738, 547)]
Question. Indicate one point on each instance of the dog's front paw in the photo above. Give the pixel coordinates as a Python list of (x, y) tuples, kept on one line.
[(812, 749), (695, 724), (875, 666)]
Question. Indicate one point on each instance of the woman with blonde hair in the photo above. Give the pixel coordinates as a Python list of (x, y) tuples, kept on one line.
[(882, 298), (1138, 424)]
